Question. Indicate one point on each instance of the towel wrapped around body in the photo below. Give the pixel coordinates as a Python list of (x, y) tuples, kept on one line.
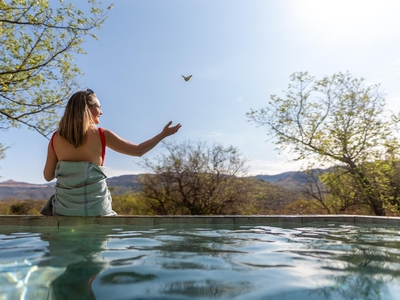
[(81, 190)]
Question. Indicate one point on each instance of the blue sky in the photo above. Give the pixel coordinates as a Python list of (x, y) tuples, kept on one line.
[(239, 52)]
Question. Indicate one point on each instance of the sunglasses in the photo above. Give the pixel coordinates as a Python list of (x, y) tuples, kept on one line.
[(88, 92)]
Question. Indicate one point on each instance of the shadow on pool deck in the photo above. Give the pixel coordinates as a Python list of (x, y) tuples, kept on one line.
[(157, 221)]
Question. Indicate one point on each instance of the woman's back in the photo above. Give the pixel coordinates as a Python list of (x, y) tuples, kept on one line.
[(89, 151)]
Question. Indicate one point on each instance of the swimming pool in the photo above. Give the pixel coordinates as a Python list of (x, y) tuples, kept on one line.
[(330, 260)]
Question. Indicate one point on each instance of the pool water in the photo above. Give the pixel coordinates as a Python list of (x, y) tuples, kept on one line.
[(247, 262)]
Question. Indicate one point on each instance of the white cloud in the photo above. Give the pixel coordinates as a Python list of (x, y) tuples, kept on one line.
[(214, 134), (263, 167), (114, 172)]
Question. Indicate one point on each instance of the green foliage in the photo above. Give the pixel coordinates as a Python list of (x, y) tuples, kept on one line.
[(304, 207), (37, 73), (2, 151), (21, 207), (346, 190), (266, 198), (131, 204), (340, 122)]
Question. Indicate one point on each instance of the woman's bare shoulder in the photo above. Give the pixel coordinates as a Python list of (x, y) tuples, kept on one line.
[(92, 130), (110, 134)]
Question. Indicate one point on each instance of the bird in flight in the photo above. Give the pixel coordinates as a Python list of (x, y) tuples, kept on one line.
[(187, 78)]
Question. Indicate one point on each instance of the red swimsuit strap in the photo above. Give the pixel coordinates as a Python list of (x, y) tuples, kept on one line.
[(103, 145)]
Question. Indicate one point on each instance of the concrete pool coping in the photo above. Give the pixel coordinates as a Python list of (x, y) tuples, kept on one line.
[(158, 221)]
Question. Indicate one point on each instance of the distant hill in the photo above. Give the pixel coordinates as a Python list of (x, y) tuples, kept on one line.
[(289, 180), (119, 185), (22, 190)]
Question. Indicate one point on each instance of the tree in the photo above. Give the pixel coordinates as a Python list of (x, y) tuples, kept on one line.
[(192, 178), (337, 121), (37, 72), (315, 190)]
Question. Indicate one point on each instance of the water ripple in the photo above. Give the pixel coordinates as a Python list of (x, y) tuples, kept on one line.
[(250, 262)]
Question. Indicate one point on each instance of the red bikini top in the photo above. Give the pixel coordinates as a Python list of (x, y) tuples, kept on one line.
[(103, 144)]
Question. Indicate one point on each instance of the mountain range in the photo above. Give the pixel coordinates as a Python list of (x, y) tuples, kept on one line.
[(119, 185)]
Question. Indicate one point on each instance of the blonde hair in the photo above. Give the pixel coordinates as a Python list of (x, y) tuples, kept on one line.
[(77, 117)]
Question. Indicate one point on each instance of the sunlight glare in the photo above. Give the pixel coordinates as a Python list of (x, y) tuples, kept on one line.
[(344, 20)]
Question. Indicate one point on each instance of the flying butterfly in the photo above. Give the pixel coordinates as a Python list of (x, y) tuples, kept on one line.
[(187, 78)]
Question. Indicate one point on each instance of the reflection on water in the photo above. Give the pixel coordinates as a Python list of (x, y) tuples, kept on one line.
[(253, 262)]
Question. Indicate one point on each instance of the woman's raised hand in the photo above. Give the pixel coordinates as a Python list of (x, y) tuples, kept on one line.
[(168, 130)]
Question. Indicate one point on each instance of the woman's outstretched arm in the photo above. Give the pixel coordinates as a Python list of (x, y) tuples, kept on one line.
[(123, 146)]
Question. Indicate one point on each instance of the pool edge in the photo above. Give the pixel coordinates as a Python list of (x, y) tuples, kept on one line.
[(57, 221)]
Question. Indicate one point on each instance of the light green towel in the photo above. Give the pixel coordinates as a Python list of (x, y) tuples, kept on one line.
[(81, 190)]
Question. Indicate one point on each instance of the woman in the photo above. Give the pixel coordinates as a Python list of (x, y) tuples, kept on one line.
[(75, 157)]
